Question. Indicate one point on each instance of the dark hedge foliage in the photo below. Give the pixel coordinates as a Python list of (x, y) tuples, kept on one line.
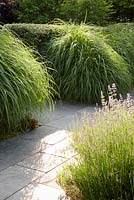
[(37, 11), (96, 12), (123, 10), (7, 11)]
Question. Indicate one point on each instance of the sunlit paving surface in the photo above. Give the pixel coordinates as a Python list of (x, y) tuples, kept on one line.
[(38, 192), (30, 162)]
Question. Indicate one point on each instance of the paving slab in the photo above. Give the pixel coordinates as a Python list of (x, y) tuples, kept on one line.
[(42, 162), (63, 149), (38, 192), (16, 149), (15, 155), (56, 137), (49, 178), (71, 120), (39, 133), (88, 109), (66, 123), (60, 111), (46, 134), (14, 178), (53, 184)]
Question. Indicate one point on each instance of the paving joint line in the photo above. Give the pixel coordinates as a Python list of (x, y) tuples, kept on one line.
[(21, 188)]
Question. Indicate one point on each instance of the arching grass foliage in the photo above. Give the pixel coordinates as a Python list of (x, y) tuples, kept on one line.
[(121, 38), (86, 64), (25, 85)]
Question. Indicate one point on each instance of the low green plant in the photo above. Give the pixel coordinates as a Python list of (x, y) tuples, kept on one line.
[(86, 65), (25, 85), (104, 166)]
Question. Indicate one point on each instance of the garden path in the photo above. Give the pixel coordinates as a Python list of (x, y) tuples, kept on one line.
[(29, 162)]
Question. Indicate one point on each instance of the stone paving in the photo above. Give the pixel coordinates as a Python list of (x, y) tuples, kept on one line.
[(29, 162)]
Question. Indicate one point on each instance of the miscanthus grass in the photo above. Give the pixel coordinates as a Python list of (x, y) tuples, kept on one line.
[(25, 85), (104, 166), (85, 64), (121, 38)]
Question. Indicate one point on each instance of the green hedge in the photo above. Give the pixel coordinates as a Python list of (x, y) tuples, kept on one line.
[(35, 35), (39, 35), (120, 36)]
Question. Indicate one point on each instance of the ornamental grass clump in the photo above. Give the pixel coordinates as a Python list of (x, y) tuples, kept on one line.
[(104, 166), (25, 85), (121, 38), (85, 65)]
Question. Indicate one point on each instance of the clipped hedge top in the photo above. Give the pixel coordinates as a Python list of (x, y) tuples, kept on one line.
[(34, 34), (34, 28), (37, 35)]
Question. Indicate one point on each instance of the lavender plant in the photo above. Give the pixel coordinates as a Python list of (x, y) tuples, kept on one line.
[(104, 167)]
